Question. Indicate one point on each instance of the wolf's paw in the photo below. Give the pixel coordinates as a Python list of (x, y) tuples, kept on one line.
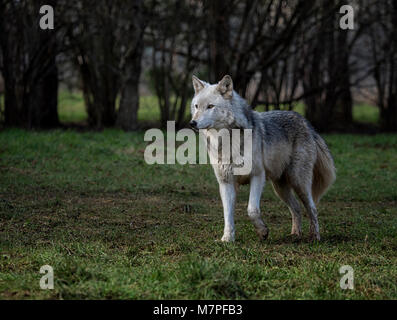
[(263, 233), (314, 236), (228, 238), (293, 238), (296, 233)]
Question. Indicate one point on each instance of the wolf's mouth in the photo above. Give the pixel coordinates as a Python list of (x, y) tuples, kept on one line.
[(195, 128), (203, 128)]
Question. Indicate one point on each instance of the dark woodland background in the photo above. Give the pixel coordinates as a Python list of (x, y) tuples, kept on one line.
[(279, 53)]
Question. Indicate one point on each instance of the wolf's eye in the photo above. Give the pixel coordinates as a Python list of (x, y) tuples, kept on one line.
[(210, 106), (196, 106)]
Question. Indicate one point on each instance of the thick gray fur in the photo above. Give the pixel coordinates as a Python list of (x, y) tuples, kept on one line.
[(286, 150)]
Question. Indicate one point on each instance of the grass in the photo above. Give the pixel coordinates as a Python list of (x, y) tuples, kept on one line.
[(114, 227), (71, 109), (366, 113)]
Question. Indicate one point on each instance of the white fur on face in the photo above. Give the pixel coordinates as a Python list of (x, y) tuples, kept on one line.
[(218, 117)]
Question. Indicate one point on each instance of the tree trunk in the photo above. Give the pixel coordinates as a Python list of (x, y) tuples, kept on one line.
[(32, 105), (343, 110), (388, 110), (388, 115), (218, 34), (127, 117), (328, 75), (43, 109), (29, 69)]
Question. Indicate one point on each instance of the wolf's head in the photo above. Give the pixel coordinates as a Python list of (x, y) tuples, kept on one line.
[(217, 106)]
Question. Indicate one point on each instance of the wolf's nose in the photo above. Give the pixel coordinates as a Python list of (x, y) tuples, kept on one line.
[(193, 124)]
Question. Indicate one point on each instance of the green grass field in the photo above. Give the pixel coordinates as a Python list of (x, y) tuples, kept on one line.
[(71, 110), (113, 227)]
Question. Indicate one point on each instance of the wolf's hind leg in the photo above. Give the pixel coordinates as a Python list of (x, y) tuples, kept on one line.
[(228, 195), (254, 212), (304, 192), (284, 191)]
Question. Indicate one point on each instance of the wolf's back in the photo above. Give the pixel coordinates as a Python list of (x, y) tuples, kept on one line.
[(291, 127)]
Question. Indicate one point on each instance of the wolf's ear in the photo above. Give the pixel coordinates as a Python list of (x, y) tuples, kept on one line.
[(198, 85), (225, 87)]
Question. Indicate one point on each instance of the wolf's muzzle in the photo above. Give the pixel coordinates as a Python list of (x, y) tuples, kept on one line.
[(193, 124)]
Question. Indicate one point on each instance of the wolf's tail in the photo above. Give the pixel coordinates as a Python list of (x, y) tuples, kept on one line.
[(324, 170)]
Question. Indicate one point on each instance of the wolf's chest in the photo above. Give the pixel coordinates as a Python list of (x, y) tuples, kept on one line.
[(225, 169), (225, 158)]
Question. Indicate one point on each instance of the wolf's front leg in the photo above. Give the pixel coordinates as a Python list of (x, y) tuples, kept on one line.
[(228, 195), (254, 212)]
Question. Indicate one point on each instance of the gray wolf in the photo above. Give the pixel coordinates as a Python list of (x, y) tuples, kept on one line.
[(285, 150)]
